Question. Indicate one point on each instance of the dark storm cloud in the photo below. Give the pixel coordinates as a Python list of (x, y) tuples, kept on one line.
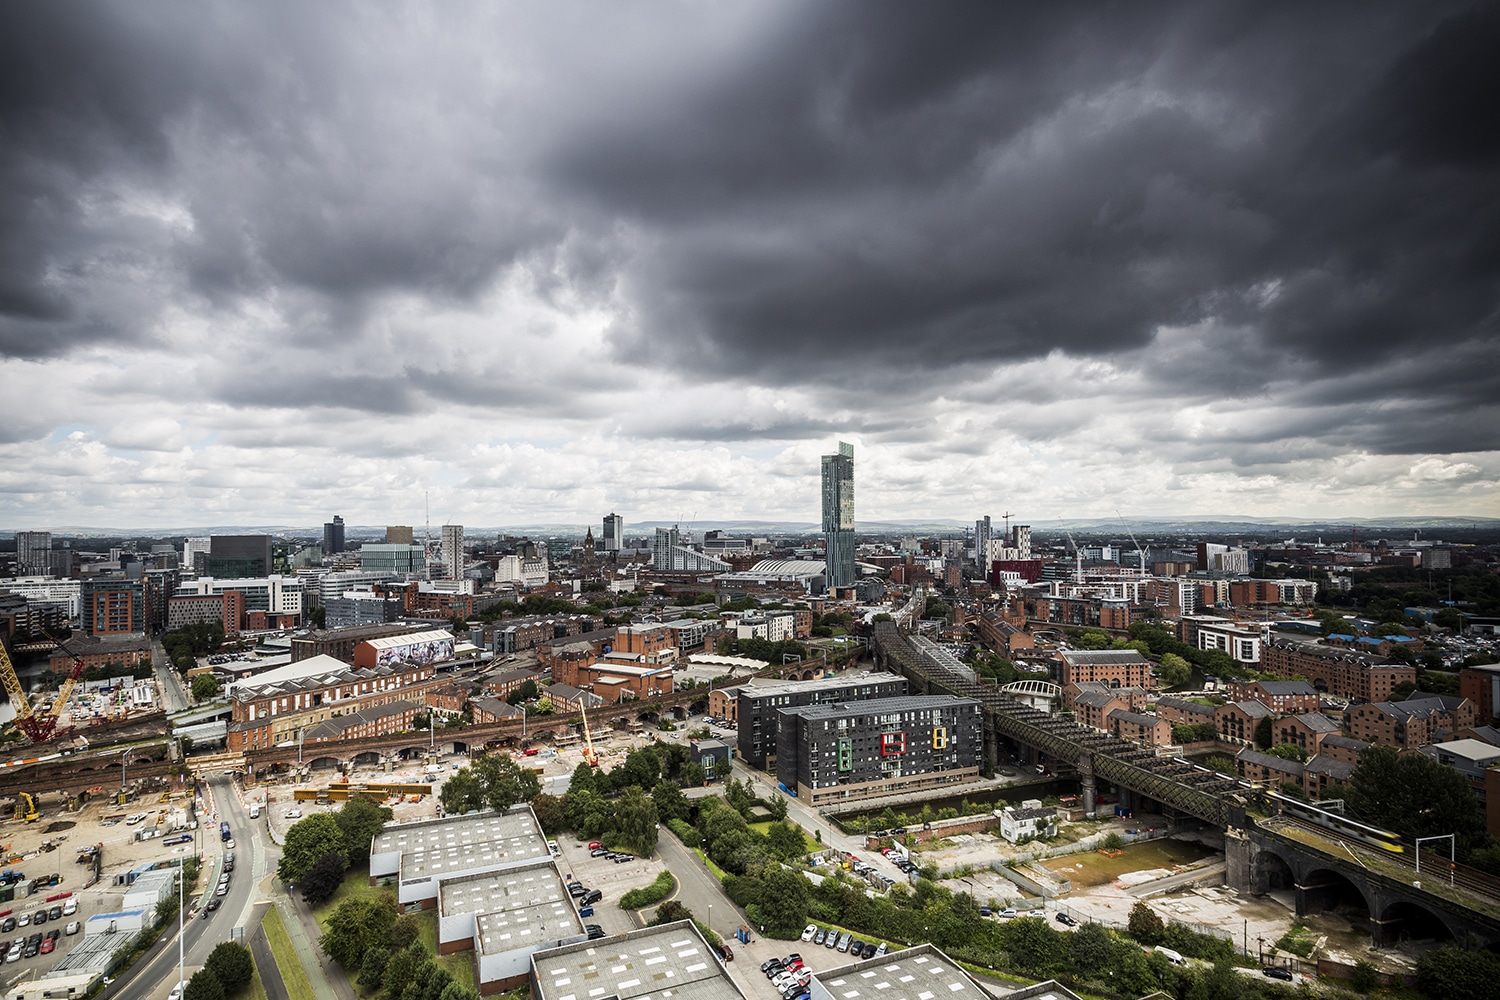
[(930, 186)]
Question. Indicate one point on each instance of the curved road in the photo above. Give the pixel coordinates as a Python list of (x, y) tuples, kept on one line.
[(153, 976)]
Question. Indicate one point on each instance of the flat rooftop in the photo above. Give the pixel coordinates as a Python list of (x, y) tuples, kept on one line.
[(467, 857), (529, 886), (920, 973), (668, 961), (456, 831), (758, 689)]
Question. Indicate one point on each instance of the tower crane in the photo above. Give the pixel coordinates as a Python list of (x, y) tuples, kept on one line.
[(1077, 557), (38, 728), (1138, 550), (590, 756)]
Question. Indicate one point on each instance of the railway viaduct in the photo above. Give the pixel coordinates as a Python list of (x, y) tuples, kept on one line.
[(1326, 871)]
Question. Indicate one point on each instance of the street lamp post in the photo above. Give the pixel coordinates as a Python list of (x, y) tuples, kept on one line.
[(1452, 852), (181, 873)]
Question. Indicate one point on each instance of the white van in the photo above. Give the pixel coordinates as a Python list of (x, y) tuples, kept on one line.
[(255, 810), (1170, 955)]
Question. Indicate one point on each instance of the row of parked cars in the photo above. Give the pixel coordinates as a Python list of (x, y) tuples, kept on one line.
[(37, 944), (586, 899), (900, 860), (789, 976), (41, 916), (598, 850), (845, 942)]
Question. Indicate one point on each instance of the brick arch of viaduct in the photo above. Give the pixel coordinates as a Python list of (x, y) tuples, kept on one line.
[(1391, 913), (477, 735)]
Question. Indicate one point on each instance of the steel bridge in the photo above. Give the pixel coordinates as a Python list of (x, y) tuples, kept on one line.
[(1176, 784)]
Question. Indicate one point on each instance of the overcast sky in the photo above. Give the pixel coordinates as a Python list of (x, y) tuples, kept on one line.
[(265, 263)]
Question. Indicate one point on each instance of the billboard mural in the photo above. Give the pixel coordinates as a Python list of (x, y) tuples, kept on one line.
[(424, 652)]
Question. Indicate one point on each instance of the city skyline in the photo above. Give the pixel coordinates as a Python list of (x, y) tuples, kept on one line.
[(262, 265)]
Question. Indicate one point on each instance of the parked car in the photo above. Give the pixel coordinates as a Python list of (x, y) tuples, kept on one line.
[(55, 913), (594, 845), (769, 964), (585, 911), (40, 918), (1277, 972), (7, 925), (591, 897), (575, 890), (598, 852), (809, 931), (880, 950), (1066, 920), (595, 931), (843, 942), (47, 945), (72, 928), (294, 814), (821, 936), (70, 907)]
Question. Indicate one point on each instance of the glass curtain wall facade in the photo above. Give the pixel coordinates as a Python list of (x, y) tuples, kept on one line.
[(838, 515)]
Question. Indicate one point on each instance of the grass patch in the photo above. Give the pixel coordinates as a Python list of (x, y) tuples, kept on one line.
[(1298, 940), (718, 872), (292, 973), (356, 883), (460, 965), (811, 846)]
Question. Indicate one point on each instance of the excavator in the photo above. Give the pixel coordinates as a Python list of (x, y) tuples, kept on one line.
[(38, 727), (26, 808), (590, 756)]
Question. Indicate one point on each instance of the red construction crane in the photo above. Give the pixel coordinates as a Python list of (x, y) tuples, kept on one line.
[(38, 728)]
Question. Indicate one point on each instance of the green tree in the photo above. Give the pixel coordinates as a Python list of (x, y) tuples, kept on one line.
[(402, 968), (936, 609), (525, 692), (1263, 735), (354, 925), (692, 775), (372, 968), (231, 963), (636, 819), (323, 879), (205, 686), (360, 821), (1175, 671), (1415, 796), (307, 842), (1144, 925), (1288, 751), (204, 986), (722, 768), (670, 802), (1455, 974), (462, 792), (403, 932), (784, 903), (549, 813), (1090, 947), (785, 840), (458, 991), (1034, 947)]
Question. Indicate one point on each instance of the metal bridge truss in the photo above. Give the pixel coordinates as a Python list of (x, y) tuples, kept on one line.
[(1172, 782)]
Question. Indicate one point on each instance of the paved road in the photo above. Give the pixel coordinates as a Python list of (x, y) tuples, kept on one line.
[(166, 677), (154, 976)]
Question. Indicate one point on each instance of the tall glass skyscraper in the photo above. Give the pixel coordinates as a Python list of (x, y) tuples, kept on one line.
[(838, 515)]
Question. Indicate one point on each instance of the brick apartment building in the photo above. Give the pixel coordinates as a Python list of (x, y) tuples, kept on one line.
[(1238, 720), (1182, 712), (1347, 749), (377, 720), (1306, 731), (1150, 730), (1481, 685), (267, 714), (1252, 765), (1345, 673), (101, 651), (1092, 708), (339, 643), (1281, 697), (1416, 722), (1115, 667)]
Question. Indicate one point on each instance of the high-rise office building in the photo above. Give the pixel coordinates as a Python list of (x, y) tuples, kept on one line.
[(664, 548), (333, 535), (453, 551), (838, 515), (614, 532), (195, 555), (112, 606), (983, 532), (33, 553), (398, 534), (239, 557)]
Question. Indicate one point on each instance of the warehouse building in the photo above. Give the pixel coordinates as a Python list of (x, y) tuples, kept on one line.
[(418, 855), (669, 961), (504, 918), (886, 746)]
